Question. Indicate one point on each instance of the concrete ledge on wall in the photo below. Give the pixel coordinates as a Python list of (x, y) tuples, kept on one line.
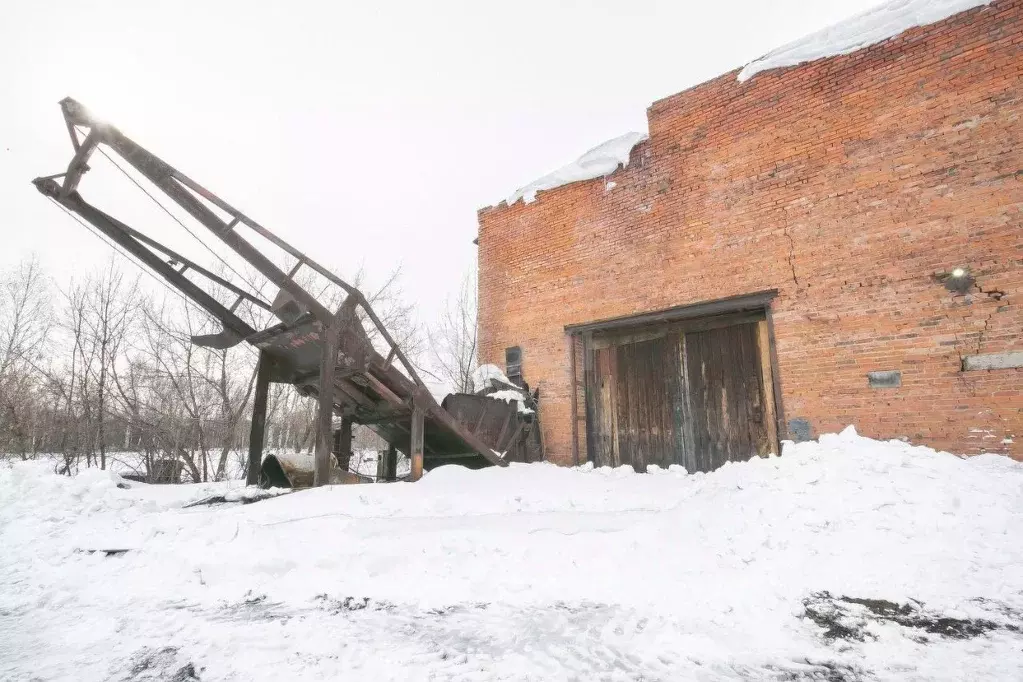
[(1007, 360), (800, 429), (887, 379)]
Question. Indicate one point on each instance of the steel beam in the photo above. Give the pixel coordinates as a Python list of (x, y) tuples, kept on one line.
[(416, 447), (325, 413), (343, 450), (257, 434), (121, 235)]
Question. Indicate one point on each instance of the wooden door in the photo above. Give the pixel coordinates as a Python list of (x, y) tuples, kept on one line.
[(634, 391), (729, 419), (648, 400), (602, 437)]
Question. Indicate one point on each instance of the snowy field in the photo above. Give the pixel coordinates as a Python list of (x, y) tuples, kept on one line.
[(847, 559)]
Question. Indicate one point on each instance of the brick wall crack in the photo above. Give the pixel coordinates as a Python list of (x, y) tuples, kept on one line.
[(960, 375), (791, 257), (980, 337), (997, 295)]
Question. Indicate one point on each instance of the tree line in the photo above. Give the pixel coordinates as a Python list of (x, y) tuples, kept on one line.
[(104, 366)]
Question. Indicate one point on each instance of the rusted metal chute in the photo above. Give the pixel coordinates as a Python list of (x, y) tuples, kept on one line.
[(326, 353)]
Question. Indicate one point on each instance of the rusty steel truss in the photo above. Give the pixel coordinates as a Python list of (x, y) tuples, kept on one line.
[(322, 352)]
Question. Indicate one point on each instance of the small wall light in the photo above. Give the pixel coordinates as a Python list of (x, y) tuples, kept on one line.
[(959, 280)]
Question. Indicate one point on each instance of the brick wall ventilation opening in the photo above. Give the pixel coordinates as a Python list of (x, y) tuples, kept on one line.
[(513, 364)]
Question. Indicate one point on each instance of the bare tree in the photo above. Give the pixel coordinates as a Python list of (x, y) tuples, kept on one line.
[(69, 379), (454, 340), (24, 325), (396, 314), (118, 378), (210, 388), (112, 308)]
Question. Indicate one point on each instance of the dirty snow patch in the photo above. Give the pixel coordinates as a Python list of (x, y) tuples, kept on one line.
[(865, 29), (602, 160)]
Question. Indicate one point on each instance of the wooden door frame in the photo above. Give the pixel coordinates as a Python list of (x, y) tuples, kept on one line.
[(677, 318)]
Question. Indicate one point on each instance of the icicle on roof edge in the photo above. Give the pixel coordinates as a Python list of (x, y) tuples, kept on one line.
[(602, 160), (863, 30)]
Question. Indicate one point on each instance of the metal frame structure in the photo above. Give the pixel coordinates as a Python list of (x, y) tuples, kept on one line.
[(325, 353)]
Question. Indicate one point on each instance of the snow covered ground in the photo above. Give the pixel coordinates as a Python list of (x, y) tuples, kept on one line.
[(847, 559), (127, 463)]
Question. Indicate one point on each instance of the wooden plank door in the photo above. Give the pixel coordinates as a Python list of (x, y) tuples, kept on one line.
[(729, 419), (601, 393), (649, 389), (634, 402)]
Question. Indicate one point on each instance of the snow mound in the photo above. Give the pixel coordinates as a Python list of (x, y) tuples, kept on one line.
[(530, 572), (868, 28), (488, 377), (484, 373), (602, 160)]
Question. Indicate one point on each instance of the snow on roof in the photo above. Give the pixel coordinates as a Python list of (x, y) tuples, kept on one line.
[(868, 28), (603, 159)]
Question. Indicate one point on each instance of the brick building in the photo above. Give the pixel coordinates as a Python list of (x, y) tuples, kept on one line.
[(838, 242)]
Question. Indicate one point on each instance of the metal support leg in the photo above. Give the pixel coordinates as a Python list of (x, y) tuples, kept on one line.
[(387, 465), (391, 459), (257, 434), (325, 416), (343, 445), (416, 449)]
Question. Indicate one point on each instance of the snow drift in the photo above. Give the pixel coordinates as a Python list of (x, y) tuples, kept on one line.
[(602, 160), (533, 572), (863, 30)]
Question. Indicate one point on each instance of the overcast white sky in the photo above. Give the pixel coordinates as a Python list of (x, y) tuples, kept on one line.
[(364, 133)]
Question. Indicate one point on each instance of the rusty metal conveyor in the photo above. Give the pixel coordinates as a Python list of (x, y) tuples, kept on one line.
[(322, 352)]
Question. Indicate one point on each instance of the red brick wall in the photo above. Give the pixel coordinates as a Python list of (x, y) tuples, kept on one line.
[(846, 184)]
